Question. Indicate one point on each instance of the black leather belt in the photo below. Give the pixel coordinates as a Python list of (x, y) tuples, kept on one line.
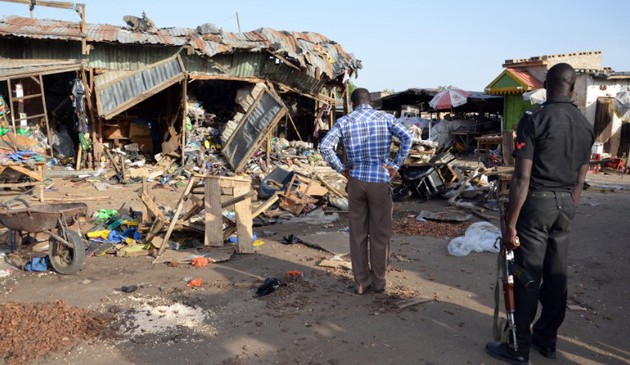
[(547, 194)]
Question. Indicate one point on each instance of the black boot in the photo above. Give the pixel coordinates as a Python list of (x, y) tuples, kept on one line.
[(502, 351)]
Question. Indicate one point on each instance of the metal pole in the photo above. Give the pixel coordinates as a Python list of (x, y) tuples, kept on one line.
[(238, 22)]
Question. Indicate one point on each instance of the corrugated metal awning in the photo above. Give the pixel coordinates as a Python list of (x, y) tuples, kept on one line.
[(117, 92), (12, 68)]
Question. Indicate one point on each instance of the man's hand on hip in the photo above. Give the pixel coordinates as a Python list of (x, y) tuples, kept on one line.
[(392, 172)]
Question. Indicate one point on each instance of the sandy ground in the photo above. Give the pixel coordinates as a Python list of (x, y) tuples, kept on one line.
[(317, 319)]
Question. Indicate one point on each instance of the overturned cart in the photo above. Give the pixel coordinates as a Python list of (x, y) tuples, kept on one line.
[(66, 249)]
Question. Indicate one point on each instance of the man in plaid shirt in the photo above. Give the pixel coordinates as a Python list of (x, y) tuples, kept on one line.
[(366, 135)]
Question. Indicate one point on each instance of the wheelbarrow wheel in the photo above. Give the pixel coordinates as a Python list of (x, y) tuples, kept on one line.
[(64, 259)]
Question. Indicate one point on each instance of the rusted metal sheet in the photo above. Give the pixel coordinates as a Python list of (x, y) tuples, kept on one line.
[(127, 89), (23, 68), (313, 52)]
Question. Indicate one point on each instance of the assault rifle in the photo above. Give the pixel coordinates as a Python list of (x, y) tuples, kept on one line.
[(507, 276)]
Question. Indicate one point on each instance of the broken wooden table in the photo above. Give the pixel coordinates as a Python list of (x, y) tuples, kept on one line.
[(238, 190), (219, 193)]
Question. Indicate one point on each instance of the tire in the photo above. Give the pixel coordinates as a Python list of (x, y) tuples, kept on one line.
[(401, 193), (66, 260)]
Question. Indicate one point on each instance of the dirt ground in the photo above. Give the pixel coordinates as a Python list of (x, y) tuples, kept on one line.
[(317, 319)]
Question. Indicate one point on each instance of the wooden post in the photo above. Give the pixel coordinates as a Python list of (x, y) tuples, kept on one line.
[(346, 99), (333, 111), (184, 115), (213, 213), (48, 132), (145, 212), (243, 210), (269, 149)]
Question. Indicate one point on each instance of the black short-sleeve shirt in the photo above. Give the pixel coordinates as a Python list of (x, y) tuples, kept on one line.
[(558, 140)]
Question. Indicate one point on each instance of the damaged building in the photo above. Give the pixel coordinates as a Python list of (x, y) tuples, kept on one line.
[(78, 89)]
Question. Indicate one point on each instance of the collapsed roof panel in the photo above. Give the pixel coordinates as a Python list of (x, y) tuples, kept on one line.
[(130, 88)]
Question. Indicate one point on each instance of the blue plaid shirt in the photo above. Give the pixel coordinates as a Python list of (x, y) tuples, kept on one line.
[(367, 136)]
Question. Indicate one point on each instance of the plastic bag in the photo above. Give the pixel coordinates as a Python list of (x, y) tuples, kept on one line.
[(479, 237)]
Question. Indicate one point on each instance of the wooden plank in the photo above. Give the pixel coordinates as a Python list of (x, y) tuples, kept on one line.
[(197, 207), (29, 117), (152, 207), (238, 199), (264, 206), (244, 219), (294, 126), (223, 179), (156, 227), (183, 106), (48, 131), (27, 96), (78, 199), (213, 213), (37, 174), (330, 187), (180, 206), (19, 185), (147, 216)]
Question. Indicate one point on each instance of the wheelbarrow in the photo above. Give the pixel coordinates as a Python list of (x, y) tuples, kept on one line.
[(66, 249)]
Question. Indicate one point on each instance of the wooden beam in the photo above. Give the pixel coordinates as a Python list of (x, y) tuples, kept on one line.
[(238, 199), (243, 210), (213, 213), (294, 126), (264, 206)]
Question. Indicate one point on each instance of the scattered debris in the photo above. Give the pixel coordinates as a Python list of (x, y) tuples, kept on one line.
[(576, 308), (444, 216), (337, 262), (31, 330), (200, 261), (146, 318), (411, 227)]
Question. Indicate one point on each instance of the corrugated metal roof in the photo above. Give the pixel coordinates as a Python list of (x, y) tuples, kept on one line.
[(308, 49), (527, 78)]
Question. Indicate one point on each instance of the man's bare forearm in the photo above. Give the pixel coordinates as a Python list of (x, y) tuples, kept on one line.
[(519, 187), (579, 184)]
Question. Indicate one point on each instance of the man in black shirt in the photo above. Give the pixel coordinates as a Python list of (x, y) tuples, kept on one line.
[(552, 150)]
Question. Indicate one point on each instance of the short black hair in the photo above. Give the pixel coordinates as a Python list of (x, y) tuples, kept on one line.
[(360, 96), (561, 76)]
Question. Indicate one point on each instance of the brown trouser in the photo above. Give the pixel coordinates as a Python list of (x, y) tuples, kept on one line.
[(370, 216)]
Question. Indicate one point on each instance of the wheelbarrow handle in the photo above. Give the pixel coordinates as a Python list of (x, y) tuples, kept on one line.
[(7, 204)]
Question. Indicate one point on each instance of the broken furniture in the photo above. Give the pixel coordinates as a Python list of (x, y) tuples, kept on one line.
[(219, 192), (19, 175), (295, 200), (238, 190), (276, 181)]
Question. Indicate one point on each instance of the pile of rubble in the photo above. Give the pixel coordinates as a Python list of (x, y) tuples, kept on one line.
[(31, 330)]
